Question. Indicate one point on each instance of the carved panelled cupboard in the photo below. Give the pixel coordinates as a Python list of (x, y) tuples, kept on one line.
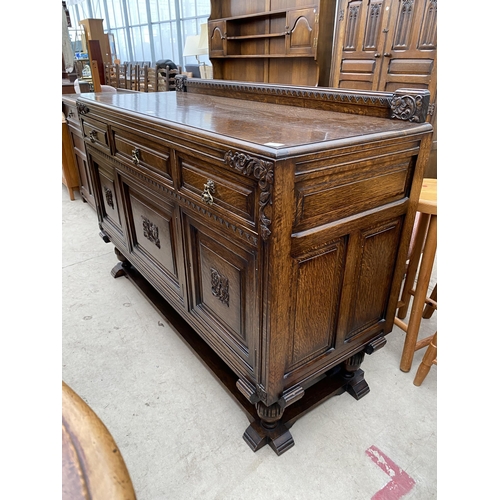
[(272, 221), (387, 44)]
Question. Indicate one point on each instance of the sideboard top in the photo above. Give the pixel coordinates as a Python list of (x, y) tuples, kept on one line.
[(274, 126)]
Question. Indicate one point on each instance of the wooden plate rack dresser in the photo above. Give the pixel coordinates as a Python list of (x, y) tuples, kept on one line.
[(270, 224)]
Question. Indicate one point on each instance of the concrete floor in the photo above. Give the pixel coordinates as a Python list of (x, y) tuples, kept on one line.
[(179, 432)]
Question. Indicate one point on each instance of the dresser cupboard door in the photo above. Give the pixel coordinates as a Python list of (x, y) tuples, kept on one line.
[(109, 201), (154, 237), (223, 292)]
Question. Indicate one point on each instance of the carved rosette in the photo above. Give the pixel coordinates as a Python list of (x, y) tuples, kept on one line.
[(411, 107), (81, 108), (109, 197), (150, 231), (180, 83), (263, 171), (220, 286)]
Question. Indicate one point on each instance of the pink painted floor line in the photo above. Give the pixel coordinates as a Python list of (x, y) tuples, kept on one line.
[(399, 485)]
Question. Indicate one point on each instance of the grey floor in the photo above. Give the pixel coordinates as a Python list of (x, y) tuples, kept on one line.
[(180, 433)]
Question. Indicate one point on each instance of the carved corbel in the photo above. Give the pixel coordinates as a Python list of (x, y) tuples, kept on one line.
[(410, 105)]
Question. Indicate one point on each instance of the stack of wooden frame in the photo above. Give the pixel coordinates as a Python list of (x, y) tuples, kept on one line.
[(142, 78)]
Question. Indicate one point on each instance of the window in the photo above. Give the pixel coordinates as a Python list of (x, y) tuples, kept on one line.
[(143, 30)]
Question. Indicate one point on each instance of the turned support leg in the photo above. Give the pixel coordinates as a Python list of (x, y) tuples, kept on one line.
[(270, 430), (118, 270), (355, 377)]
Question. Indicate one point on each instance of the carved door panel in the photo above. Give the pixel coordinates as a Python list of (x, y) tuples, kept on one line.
[(108, 199), (223, 292), (302, 32), (411, 49), (217, 38), (360, 43), (154, 237)]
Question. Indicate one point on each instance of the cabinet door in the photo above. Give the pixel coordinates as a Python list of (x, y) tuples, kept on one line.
[(154, 237), (108, 198), (302, 32), (361, 32), (217, 38), (223, 292), (411, 49)]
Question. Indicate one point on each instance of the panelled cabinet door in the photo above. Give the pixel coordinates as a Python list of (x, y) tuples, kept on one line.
[(223, 292), (217, 38), (411, 49), (302, 32), (361, 34)]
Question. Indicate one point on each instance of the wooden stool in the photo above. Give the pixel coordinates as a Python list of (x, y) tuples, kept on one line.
[(423, 252), (429, 359)]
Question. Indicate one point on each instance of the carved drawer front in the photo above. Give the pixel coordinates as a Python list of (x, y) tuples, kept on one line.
[(153, 237), (346, 190), (96, 133), (71, 114), (223, 293), (143, 152), (214, 188), (109, 199)]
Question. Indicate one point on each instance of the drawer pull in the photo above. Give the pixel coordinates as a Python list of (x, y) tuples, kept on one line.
[(93, 136), (136, 155), (71, 114), (208, 191)]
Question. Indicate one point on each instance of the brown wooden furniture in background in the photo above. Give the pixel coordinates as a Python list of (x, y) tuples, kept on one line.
[(274, 220), (141, 78), (385, 45), (274, 41), (420, 264), (76, 149), (69, 172), (92, 465)]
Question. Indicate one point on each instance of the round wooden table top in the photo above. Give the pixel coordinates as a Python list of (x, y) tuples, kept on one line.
[(92, 465), (427, 203)]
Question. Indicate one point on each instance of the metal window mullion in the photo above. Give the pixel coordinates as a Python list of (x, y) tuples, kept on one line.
[(150, 30), (180, 44), (127, 29)]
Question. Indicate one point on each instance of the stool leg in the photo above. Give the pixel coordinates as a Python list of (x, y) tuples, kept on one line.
[(414, 260), (424, 276), (427, 362)]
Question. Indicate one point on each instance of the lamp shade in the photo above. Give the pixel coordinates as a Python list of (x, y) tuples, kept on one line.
[(204, 37), (192, 46)]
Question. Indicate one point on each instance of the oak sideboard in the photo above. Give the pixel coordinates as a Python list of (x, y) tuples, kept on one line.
[(273, 222)]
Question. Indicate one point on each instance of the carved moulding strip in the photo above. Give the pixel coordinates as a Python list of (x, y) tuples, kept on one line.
[(251, 238), (263, 171), (410, 105), (336, 95)]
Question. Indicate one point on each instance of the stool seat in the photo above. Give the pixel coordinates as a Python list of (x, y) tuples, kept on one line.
[(427, 202), (421, 260)]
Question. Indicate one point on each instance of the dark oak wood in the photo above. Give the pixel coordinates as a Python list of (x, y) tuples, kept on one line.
[(274, 220)]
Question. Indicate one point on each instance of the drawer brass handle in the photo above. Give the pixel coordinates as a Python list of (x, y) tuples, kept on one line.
[(136, 155), (93, 136), (208, 191)]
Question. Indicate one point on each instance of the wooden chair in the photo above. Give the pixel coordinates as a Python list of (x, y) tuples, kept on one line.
[(429, 359), (420, 264)]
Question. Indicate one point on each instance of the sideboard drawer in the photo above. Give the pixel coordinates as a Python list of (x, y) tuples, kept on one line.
[(71, 114), (211, 186), (96, 133), (142, 151)]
